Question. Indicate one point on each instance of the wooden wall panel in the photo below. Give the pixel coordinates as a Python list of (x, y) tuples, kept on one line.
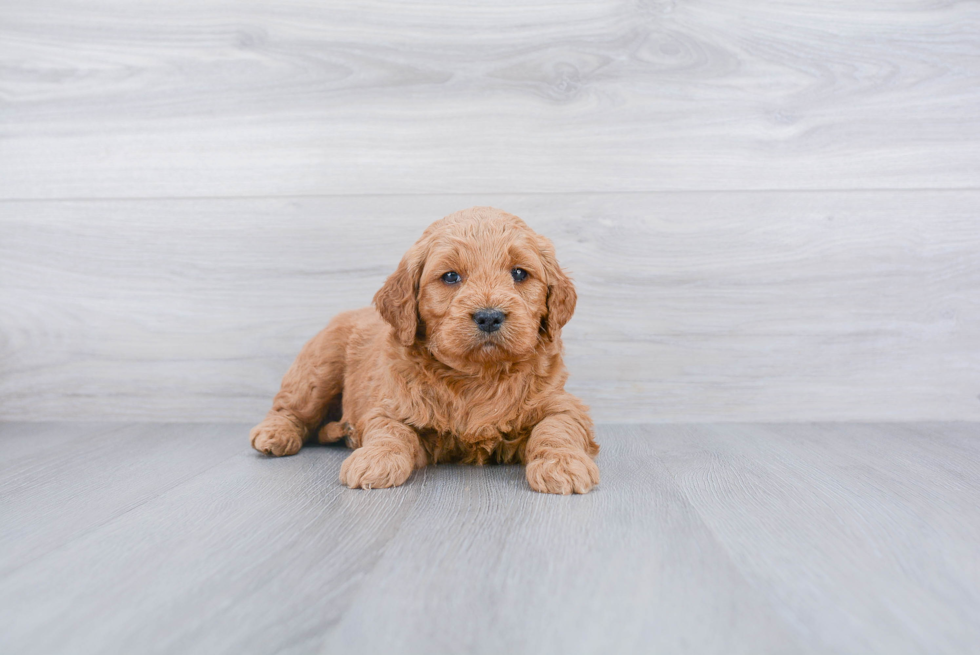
[(693, 306), (182, 98), (771, 210)]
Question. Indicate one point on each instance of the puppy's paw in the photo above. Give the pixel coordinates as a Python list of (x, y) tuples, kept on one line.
[(562, 472), (276, 436), (376, 467), (333, 431)]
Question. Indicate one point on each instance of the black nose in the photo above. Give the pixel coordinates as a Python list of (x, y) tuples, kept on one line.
[(489, 320)]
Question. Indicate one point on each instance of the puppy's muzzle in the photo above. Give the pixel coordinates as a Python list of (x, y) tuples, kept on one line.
[(489, 320)]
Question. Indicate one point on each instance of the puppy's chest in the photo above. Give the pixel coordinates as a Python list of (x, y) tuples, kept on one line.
[(474, 412), (486, 424)]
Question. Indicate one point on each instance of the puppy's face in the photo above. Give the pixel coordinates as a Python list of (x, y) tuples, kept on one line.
[(479, 287), (482, 296)]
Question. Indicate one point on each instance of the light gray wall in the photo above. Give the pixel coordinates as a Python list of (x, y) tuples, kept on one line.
[(771, 210)]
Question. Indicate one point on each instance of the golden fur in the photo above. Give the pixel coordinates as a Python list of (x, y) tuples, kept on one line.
[(415, 381)]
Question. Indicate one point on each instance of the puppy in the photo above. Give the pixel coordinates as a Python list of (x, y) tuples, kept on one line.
[(459, 362)]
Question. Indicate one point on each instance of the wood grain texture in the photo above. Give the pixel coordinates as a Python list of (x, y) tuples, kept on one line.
[(229, 98), (629, 569), (104, 472), (710, 538), (840, 510), (692, 306)]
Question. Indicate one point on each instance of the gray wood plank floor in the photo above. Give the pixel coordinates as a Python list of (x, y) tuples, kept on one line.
[(702, 538)]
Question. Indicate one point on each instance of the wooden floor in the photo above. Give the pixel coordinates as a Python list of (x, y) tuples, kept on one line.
[(701, 538)]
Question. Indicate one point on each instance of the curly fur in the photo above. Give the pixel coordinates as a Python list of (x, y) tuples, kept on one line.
[(413, 381)]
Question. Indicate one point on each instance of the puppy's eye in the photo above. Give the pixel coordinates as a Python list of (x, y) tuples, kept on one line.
[(519, 274), (452, 277)]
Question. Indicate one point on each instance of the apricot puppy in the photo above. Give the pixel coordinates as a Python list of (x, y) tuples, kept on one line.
[(460, 361)]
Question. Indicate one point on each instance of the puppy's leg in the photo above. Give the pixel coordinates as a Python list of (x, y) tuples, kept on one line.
[(559, 453), (389, 452), (313, 380)]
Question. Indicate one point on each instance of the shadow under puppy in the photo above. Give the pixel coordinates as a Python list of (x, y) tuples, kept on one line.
[(461, 361)]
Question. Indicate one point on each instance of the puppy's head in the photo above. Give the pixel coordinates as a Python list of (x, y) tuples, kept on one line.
[(479, 287)]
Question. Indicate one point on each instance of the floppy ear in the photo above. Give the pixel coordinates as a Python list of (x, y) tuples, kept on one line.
[(397, 300), (561, 291)]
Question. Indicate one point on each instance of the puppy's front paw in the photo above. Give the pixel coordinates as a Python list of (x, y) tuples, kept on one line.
[(376, 467), (562, 472), (276, 436)]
